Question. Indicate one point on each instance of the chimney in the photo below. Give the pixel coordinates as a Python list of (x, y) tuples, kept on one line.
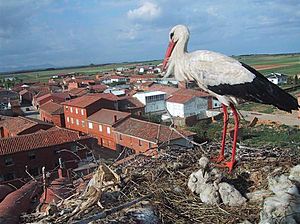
[(115, 118)]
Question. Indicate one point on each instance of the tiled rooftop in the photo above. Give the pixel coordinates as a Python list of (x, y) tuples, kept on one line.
[(89, 99), (19, 124), (105, 116), (148, 131), (180, 98), (37, 140), (52, 108)]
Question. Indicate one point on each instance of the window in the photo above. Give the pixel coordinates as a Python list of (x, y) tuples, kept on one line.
[(90, 125), (31, 155), (68, 119), (77, 121), (71, 109), (121, 137), (108, 130), (8, 161), (72, 121), (82, 112), (100, 127), (140, 142), (83, 124), (76, 110)]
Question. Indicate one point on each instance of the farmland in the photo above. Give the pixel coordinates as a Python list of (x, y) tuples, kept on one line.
[(283, 63)]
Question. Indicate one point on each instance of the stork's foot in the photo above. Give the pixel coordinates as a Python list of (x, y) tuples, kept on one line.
[(229, 165), (218, 159)]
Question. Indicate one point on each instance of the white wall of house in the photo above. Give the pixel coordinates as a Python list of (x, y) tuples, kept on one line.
[(153, 101), (175, 109), (155, 106), (196, 105)]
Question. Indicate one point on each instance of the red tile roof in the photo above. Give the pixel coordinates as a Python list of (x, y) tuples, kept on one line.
[(148, 131), (19, 124), (89, 99), (184, 95), (78, 91), (129, 102), (38, 140), (167, 89), (192, 92), (105, 116), (180, 98), (52, 108), (98, 87)]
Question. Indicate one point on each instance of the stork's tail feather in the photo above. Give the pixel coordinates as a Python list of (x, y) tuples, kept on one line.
[(269, 93)]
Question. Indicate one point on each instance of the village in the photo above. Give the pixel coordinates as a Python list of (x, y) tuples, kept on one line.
[(66, 127), (149, 112)]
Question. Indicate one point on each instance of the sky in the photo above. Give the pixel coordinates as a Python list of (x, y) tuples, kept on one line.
[(80, 32)]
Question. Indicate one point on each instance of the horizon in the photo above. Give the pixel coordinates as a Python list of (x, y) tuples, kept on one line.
[(68, 34)]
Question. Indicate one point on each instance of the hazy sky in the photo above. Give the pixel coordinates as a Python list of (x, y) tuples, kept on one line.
[(78, 32)]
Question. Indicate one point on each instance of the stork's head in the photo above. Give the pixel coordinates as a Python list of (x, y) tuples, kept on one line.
[(178, 33)]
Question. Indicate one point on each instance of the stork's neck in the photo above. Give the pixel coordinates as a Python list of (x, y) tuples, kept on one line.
[(180, 49)]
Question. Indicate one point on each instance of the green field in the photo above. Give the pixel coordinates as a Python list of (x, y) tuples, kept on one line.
[(285, 63), (44, 75)]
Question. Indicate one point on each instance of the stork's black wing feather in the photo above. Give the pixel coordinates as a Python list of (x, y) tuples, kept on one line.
[(260, 90)]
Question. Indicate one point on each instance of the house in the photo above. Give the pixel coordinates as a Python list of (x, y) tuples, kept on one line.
[(8, 95), (101, 125), (55, 97), (77, 110), (114, 78), (98, 88), (131, 105), (142, 78), (13, 126), (115, 91), (140, 136), (189, 105), (154, 101), (169, 90), (77, 92), (52, 112), (26, 95), (277, 78), (41, 149)]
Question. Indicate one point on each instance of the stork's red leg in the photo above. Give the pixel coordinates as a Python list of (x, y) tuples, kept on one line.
[(221, 157), (232, 162)]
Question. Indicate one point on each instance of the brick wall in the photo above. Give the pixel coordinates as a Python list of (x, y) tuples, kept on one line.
[(81, 125), (104, 133), (57, 119), (36, 159), (136, 144)]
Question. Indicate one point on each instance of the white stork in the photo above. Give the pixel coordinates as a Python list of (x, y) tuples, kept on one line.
[(224, 78)]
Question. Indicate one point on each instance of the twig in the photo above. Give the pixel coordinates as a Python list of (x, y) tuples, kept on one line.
[(107, 212)]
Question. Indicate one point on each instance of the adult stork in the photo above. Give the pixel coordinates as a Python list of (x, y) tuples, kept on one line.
[(224, 78)]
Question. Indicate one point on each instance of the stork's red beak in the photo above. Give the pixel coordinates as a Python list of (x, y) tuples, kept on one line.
[(168, 53)]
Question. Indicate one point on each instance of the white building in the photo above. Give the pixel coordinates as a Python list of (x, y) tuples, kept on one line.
[(187, 105), (115, 78), (154, 101), (277, 78)]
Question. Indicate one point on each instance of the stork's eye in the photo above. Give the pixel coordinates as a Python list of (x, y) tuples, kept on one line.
[(171, 35)]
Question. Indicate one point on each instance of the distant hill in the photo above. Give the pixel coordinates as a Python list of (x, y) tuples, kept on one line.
[(12, 69)]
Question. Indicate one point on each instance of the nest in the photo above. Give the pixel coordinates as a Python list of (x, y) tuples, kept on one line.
[(154, 189)]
